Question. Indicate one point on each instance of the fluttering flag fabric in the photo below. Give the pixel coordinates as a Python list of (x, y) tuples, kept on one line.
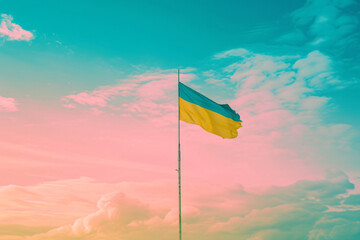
[(215, 118)]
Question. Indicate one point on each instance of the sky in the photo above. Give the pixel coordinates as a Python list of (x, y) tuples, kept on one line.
[(88, 120)]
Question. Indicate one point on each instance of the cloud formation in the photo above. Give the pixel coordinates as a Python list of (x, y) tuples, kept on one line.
[(283, 103), (149, 95), (326, 23), (12, 31), (8, 104), (288, 87), (304, 210), (281, 100)]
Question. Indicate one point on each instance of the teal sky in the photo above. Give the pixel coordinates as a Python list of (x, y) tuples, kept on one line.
[(96, 43), (155, 33)]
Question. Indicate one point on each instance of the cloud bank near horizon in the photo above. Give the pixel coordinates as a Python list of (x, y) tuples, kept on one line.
[(305, 209)]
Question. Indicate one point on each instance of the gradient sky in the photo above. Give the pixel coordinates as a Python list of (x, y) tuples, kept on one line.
[(88, 119)]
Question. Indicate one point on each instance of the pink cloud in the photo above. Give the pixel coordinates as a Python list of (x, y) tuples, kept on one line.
[(12, 31), (101, 96), (134, 86), (8, 104), (149, 108), (89, 99), (155, 90), (95, 111), (132, 119), (114, 206), (149, 95), (70, 105)]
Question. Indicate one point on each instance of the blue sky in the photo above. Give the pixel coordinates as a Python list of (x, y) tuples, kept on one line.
[(116, 38), (157, 32)]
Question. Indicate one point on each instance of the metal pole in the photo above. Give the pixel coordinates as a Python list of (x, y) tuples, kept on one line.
[(179, 156)]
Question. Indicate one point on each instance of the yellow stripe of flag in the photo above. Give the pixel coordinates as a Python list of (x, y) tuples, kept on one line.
[(215, 118)]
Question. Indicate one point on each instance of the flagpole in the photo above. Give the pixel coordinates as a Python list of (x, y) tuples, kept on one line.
[(179, 156)]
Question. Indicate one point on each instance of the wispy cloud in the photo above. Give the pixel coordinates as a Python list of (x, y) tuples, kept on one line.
[(147, 95), (99, 97), (8, 104), (284, 83), (316, 69), (12, 31), (325, 23), (238, 52)]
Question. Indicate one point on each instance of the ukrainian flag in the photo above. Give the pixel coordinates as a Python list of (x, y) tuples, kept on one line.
[(215, 118)]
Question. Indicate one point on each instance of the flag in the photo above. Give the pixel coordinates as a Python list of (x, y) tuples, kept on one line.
[(215, 118)]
